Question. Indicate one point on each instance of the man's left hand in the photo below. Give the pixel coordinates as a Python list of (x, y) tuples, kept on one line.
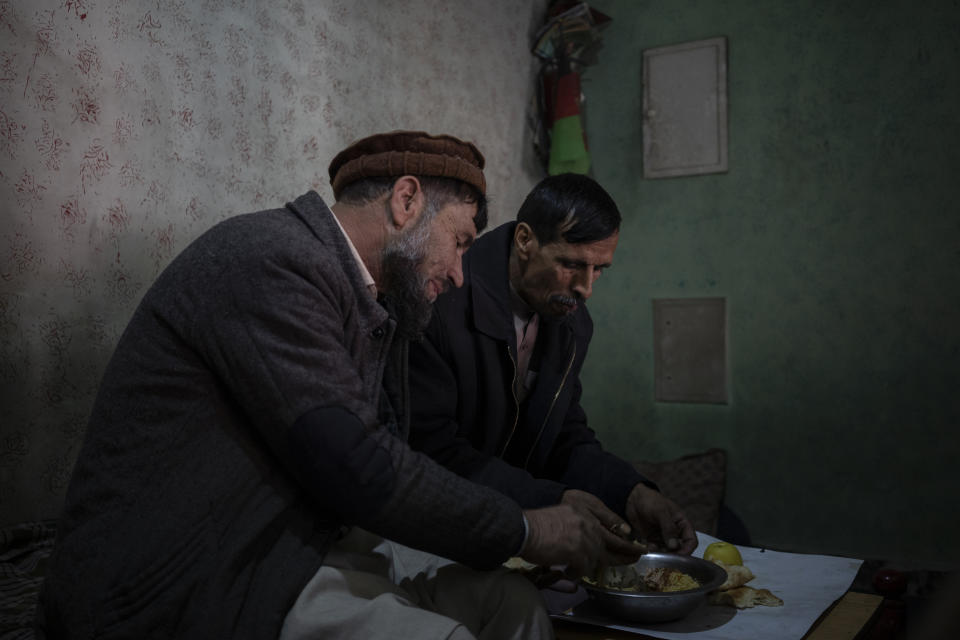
[(658, 521)]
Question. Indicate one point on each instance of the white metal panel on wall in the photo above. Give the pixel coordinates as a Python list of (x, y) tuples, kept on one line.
[(685, 109)]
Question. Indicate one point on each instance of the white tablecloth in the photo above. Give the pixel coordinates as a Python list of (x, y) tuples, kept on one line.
[(807, 584)]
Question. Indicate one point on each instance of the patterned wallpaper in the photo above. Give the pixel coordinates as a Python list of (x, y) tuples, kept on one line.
[(128, 127)]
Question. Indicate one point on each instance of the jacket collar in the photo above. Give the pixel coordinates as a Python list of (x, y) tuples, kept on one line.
[(314, 213), (488, 263)]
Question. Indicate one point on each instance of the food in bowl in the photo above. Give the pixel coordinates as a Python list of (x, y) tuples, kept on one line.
[(668, 580), (655, 606), (656, 579)]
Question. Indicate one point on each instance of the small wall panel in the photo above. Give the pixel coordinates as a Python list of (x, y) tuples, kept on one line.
[(690, 344)]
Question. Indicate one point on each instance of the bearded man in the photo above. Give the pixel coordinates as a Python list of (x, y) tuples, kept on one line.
[(246, 456)]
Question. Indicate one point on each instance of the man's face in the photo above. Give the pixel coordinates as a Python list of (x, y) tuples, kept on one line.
[(424, 261), (452, 231), (554, 278)]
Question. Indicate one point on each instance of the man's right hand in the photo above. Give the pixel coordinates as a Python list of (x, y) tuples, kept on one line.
[(573, 536)]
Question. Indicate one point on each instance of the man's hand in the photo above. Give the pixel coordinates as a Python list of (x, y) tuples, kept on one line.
[(589, 503), (657, 520), (570, 534)]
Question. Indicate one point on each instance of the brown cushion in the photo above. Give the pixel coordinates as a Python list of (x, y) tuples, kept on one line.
[(695, 482)]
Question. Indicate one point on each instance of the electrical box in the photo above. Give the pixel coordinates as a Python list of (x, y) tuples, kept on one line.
[(690, 350), (685, 109)]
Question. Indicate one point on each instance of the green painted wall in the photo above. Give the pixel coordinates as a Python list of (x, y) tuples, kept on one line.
[(835, 237)]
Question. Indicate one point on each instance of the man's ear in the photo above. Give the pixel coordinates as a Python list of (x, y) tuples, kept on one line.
[(406, 202), (524, 240)]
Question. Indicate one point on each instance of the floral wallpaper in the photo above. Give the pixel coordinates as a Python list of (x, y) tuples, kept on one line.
[(128, 127)]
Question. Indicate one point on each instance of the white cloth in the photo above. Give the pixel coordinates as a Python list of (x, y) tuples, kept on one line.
[(370, 588)]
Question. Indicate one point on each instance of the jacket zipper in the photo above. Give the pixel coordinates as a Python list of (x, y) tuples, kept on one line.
[(552, 403), (516, 403)]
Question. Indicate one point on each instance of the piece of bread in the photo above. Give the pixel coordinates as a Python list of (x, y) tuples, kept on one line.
[(737, 575), (745, 597), (541, 577), (519, 564)]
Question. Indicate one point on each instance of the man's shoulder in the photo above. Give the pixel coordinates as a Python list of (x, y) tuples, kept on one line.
[(455, 301), (495, 243), (271, 234), (454, 310), (261, 245)]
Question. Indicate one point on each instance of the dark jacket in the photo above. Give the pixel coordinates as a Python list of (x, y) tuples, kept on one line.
[(465, 413), (255, 404)]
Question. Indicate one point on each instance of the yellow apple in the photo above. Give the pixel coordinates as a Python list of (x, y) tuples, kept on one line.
[(724, 552)]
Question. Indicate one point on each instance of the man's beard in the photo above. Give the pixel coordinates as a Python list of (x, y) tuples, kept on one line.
[(404, 286)]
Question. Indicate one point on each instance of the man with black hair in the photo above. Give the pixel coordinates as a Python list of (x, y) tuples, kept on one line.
[(495, 384)]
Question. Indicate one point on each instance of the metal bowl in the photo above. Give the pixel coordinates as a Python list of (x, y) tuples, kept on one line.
[(655, 606)]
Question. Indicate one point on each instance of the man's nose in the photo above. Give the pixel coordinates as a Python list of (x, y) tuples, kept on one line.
[(583, 283), (455, 273)]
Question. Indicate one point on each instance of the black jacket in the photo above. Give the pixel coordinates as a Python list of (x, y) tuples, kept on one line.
[(465, 414)]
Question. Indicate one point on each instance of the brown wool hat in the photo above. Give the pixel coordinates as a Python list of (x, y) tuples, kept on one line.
[(414, 153)]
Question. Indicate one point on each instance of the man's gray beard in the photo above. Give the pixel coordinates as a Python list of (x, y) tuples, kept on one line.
[(403, 283)]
